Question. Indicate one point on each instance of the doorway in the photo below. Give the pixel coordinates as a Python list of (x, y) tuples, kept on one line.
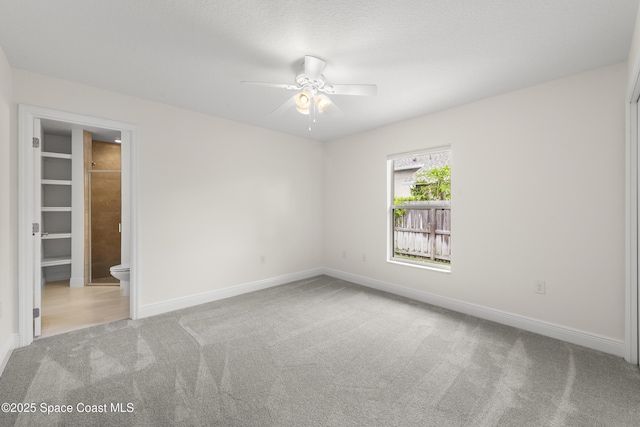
[(66, 228), (30, 214), (102, 209), (104, 226)]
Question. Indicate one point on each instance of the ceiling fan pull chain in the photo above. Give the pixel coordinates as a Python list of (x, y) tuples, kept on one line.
[(313, 109), (312, 114)]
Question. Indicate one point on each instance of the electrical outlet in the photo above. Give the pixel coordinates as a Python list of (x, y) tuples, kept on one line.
[(539, 287), (263, 259), (364, 257)]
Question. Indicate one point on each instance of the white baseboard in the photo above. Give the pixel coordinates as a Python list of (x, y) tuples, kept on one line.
[(218, 294), (76, 282), (55, 276), (6, 350), (575, 336)]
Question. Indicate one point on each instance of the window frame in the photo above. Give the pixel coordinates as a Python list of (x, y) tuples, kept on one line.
[(391, 258)]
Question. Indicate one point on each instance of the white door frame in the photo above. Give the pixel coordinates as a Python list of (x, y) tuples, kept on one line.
[(26, 184), (632, 218)]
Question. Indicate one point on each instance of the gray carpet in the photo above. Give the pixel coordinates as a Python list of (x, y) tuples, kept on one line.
[(317, 352)]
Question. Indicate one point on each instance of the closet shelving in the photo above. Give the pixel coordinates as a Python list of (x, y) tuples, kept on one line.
[(56, 205)]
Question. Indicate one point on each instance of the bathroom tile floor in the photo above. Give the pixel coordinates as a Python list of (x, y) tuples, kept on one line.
[(67, 309)]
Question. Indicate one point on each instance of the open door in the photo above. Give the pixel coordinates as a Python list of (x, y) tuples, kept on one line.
[(632, 225), (632, 228), (37, 227)]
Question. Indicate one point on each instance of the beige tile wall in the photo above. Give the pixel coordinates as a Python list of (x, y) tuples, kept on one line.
[(105, 210)]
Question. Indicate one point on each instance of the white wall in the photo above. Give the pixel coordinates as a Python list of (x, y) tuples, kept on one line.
[(633, 60), (215, 195), (8, 210), (538, 193)]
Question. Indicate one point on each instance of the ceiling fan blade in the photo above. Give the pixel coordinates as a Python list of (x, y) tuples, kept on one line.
[(285, 106), (276, 85), (360, 90), (313, 67), (334, 110)]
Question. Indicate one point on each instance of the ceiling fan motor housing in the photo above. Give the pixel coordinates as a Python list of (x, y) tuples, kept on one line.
[(314, 85)]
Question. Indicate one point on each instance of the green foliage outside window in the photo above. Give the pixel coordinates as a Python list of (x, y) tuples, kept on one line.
[(434, 184), (398, 213)]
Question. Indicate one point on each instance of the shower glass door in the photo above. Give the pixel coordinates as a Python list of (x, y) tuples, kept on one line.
[(105, 219)]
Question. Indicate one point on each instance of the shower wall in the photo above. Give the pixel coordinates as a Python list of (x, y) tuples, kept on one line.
[(105, 210)]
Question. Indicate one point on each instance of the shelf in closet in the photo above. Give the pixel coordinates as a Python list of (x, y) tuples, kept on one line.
[(55, 155), (57, 236), (56, 260), (56, 209), (55, 182)]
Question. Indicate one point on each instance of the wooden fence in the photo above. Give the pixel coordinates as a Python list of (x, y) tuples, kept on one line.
[(422, 230)]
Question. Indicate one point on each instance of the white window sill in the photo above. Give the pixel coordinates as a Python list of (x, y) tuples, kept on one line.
[(422, 265)]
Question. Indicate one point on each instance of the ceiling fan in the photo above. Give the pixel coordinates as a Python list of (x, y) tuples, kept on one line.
[(312, 87)]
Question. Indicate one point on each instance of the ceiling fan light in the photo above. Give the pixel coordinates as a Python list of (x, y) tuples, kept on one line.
[(304, 111), (303, 100), (322, 102)]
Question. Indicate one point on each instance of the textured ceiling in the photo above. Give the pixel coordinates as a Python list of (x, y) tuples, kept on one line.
[(424, 55)]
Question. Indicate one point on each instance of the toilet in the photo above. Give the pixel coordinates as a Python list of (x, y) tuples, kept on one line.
[(121, 272)]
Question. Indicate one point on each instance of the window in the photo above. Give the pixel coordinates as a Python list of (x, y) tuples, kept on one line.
[(420, 209)]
